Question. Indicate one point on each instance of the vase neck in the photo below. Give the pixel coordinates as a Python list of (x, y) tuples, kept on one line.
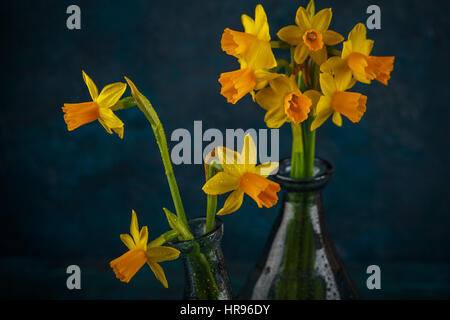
[(323, 170)]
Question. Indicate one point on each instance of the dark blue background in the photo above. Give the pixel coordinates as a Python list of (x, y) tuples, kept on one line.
[(66, 197)]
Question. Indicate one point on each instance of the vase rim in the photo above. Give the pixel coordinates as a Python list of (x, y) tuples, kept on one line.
[(218, 224), (320, 179)]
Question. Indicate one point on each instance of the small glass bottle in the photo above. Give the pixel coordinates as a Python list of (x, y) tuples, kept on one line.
[(206, 276)]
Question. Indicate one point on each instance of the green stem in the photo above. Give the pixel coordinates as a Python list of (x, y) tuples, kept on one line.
[(297, 156), (279, 45), (211, 203), (165, 237), (147, 109), (202, 275), (310, 153), (310, 137), (124, 103), (292, 71), (333, 52)]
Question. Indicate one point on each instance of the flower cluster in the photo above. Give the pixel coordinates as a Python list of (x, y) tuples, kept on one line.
[(316, 83)]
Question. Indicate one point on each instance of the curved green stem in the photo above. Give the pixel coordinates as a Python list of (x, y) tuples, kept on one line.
[(165, 237), (147, 109)]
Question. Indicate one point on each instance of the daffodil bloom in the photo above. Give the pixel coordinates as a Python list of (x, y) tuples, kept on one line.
[(126, 266), (241, 176), (356, 54), (253, 45), (284, 102), (336, 101), (310, 35), (78, 114), (255, 55), (236, 84)]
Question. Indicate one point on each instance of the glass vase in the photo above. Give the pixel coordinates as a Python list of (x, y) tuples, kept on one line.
[(206, 276), (299, 261)]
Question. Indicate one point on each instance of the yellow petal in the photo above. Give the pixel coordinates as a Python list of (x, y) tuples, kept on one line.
[(159, 273), (119, 132), (267, 169), (338, 67), (290, 34), (337, 119), (302, 19), (332, 65), (322, 20), (315, 97), (327, 84), (134, 227), (221, 183), (263, 77), (248, 154), (258, 27), (301, 53), (347, 49), (227, 156), (160, 254), (319, 56), (323, 112), (275, 118), (248, 23), (128, 241), (259, 55), (111, 94), (93, 91), (229, 160), (359, 41), (233, 202), (282, 85), (109, 121), (261, 26), (332, 38), (268, 99), (143, 237), (343, 79)]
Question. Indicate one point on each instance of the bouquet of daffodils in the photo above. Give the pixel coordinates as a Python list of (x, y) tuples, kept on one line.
[(316, 81)]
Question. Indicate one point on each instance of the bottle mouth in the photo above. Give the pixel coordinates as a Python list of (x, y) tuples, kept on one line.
[(323, 170), (197, 226)]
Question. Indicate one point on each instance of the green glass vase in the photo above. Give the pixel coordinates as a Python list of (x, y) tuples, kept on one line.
[(206, 275), (299, 261)]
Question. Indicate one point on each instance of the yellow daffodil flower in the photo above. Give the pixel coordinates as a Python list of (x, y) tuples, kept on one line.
[(126, 266), (336, 100), (78, 114), (255, 55), (241, 175), (236, 84), (310, 35), (253, 45), (356, 56), (284, 102)]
